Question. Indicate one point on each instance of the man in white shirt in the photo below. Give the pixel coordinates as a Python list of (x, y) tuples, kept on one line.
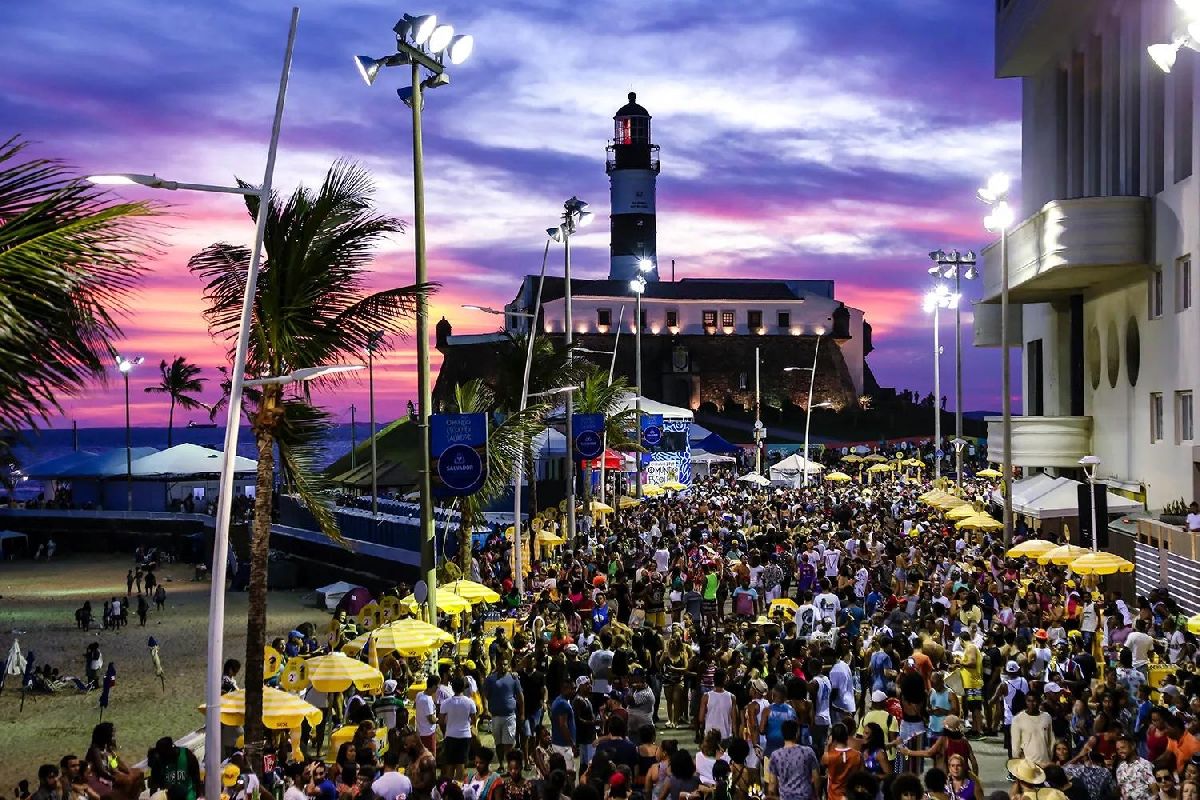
[(600, 663), (841, 684), (1031, 733), (832, 557), (426, 713), (827, 604), (391, 784), (1193, 517), (662, 558), (1139, 644)]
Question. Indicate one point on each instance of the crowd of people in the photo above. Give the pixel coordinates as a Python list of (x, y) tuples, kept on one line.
[(751, 642)]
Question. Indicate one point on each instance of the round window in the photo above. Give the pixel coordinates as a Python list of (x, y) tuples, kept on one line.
[(1093, 357), (1113, 347), (1133, 350)]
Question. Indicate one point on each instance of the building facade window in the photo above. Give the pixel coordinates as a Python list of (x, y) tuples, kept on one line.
[(784, 319), (1184, 428), (672, 318), (710, 318), (1156, 294), (1156, 416), (728, 319), (1183, 284), (754, 320), (603, 317)]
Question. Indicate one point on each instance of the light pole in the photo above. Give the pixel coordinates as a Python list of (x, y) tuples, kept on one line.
[(519, 464), (422, 44), (954, 264), (1089, 464), (575, 215), (216, 596), (374, 338), (638, 286), (126, 365), (937, 299), (995, 195), (759, 434), (569, 391), (812, 385)]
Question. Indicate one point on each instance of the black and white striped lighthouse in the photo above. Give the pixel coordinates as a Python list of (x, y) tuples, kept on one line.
[(632, 167)]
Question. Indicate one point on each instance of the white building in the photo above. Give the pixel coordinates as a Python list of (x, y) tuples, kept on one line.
[(1101, 257)]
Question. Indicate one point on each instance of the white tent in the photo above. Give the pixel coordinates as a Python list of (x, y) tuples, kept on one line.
[(549, 444), (334, 592), (791, 469), (187, 459), (705, 457), (1062, 500), (755, 478), (1027, 490)]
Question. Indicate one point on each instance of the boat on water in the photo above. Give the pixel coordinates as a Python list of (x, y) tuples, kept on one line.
[(194, 424)]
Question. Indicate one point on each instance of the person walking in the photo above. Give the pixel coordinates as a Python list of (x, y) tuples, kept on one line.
[(1032, 737), (504, 700), (143, 608)]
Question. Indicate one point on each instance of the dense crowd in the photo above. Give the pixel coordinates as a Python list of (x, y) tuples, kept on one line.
[(744, 642)]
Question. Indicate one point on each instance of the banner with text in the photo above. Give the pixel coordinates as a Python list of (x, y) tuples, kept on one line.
[(458, 449), (588, 430)]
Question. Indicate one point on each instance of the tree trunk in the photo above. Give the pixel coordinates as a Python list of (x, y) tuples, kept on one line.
[(260, 548), (171, 424)]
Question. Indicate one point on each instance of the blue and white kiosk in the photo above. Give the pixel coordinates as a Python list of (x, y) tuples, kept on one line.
[(670, 456)]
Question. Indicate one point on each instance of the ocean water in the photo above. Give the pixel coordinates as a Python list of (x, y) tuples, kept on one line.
[(34, 447)]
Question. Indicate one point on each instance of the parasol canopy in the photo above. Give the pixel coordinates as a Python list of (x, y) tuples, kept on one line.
[(281, 711), (628, 502), (472, 591), (961, 512), (674, 486), (852, 459), (877, 468), (550, 538), (652, 490), (980, 522), (596, 507), (409, 637), (1030, 548), (756, 478), (989, 473), (838, 477), (1100, 564), (337, 672), (1063, 554), (447, 602), (875, 458)]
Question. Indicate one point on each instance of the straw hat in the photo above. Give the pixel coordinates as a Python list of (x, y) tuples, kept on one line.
[(1026, 771)]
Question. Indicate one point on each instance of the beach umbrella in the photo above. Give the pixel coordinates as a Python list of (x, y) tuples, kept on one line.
[(550, 539), (628, 502), (878, 468), (472, 591), (1193, 624), (409, 637), (295, 675), (596, 507), (110, 680), (337, 672), (851, 459), (447, 602), (948, 502), (932, 496), (979, 522), (1031, 548), (674, 486), (152, 643), (652, 490), (989, 473), (960, 512), (1063, 554), (1100, 564), (281, 710), (875, 458), (14, 664), (838, 477), (755, 478), (913, 462)]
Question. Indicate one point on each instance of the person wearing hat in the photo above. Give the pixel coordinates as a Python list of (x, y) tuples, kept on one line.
[(1029, 781), (388, 705), (1010, 697)]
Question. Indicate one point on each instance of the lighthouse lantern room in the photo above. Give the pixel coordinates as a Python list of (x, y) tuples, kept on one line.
[(632, 166)]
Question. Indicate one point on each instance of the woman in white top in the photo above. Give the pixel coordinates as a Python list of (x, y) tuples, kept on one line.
[(710, 753), (457, 713)]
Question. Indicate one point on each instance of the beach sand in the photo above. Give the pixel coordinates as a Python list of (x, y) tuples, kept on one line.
[(37, 605)]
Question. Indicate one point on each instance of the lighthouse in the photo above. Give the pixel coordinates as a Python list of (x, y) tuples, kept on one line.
[(632, 167)]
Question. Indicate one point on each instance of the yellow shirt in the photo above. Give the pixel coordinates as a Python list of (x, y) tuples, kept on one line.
[(971, 667)]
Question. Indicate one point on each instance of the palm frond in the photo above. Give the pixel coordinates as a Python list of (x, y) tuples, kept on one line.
[(299, 434)]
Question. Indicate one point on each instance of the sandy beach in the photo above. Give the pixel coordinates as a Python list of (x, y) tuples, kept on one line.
[(37, 606)]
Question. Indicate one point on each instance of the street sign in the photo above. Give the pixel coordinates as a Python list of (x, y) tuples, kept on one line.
[(588, 430), (939, 453), (652, 425), (458, 448)]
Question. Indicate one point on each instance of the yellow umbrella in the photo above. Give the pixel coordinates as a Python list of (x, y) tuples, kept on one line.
[(838, 477), (599, 508), (674, 486), (337, 672), (281, 711), (948, 502), (880, 468), (852, 459), (447, 602), (875, 457), (409, 637), (548, 538), (472, 591), (980, 522), (628, 502), (652, 490), (1100, 564), (932, 496), (914, 462), (1031, 548), (1193, 624), (960, 512), (989, 473), (1063, 554)]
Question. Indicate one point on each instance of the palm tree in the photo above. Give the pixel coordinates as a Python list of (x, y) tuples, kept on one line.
[(311, 308), (179, 380), (68, 260)]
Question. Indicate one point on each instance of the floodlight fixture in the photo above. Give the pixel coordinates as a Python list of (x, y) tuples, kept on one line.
[(439, 40), (638, 285), (1000, 219), (460, 48), (124, 365)]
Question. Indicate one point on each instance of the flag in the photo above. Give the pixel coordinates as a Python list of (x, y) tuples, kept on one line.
[(158, 667), (110, 680), (14, 664)]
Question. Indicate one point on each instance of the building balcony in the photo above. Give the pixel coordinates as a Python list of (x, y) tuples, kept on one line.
[(1070, 246), (1042, 441), (1029, 31)]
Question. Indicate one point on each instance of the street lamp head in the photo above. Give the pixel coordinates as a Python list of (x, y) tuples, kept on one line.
[(125, 365), (638, 285), (796, 369), (126, 179), (937, 256), (555, 233), (440, 38), (645, 264), (1089, 461), (1000, 218), (461, 47), (419, 29), (405, 93), (935, 270), (368, 68), (436, 80), (584, 218), (1163, 55)]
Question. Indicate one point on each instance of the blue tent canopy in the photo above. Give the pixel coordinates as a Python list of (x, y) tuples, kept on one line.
[(715, 443)]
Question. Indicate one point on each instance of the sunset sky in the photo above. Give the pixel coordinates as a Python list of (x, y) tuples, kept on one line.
[(800, 139)]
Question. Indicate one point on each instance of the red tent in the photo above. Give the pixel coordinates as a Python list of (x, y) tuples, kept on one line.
[(612, 460)]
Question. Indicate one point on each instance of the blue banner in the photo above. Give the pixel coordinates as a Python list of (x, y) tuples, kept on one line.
[(588, 430), (458, 449), (652, 429)]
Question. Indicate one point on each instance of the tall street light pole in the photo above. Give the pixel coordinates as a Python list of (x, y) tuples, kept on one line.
[(935, 301), (216, 604), (574, 216), (373, 341), (638, 285), (126, 365), (953, 264), (995, 195), (812, 387), (1089, 464), (422, 44), (759, 436)]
